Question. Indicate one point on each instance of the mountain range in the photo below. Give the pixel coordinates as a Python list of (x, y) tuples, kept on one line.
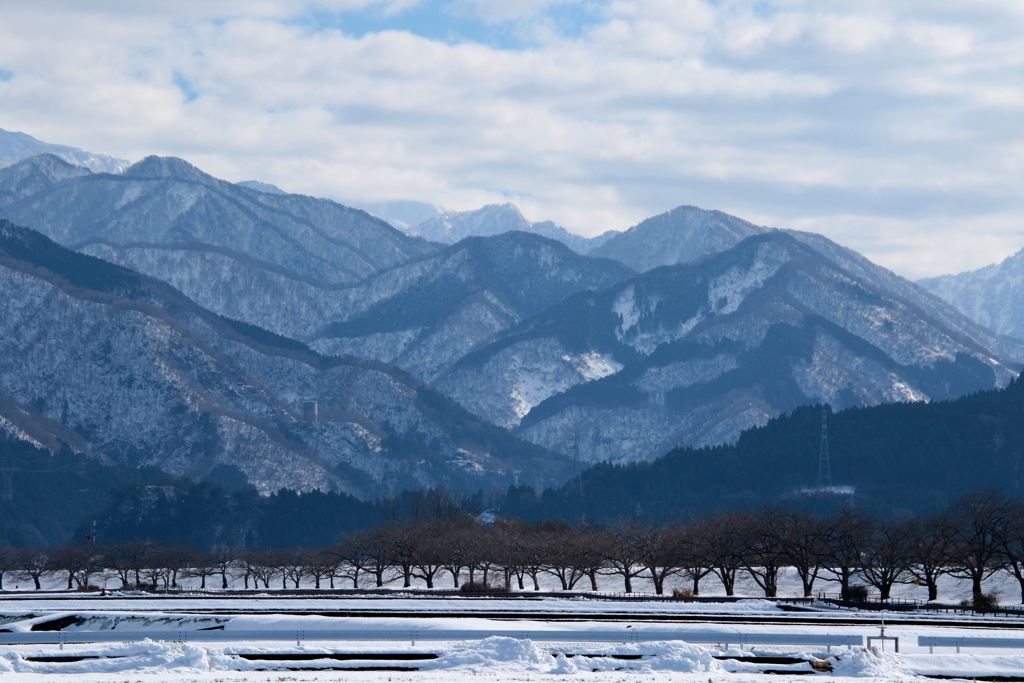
[(993, 295), (694, 354), (126, 369), (160, 316), (451, 226), (17, 146)]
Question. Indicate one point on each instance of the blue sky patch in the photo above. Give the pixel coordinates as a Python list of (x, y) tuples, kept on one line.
[(185, 86), (6, 75), (439, 20)]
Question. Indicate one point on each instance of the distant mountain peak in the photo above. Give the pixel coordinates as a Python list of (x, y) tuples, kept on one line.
[(17, 146), (683, 235), (34, 174), (494, 219), (265, 188), (167, 167), (992, 296)]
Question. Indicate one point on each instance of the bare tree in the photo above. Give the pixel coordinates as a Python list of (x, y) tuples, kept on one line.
[(200, 565), (73, 560), (847, 535), (1011, 543), (33, 564), (930, 543), (762, 554), (620, 556), (656, 551), (10, 560), (719, 540), (224, 560), (977, 520), (370, 550), (888, 556), (695, 560), (801, 540), (559, 542)]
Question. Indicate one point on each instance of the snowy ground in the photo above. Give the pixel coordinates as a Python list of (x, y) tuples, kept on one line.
[(499, 658)]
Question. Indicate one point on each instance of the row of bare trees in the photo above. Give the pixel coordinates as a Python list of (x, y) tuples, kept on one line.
[(978, 535)]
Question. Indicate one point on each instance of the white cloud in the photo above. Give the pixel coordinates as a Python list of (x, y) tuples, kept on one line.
[(872, 122)]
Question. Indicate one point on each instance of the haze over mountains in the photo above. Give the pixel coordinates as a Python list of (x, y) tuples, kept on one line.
[(993, 295), (17, 146), (473, 350), (451, 226)]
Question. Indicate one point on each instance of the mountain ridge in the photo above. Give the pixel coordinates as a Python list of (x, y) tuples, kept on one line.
[(226, 393)]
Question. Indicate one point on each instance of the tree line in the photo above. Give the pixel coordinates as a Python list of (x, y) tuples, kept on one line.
[(978, 535)]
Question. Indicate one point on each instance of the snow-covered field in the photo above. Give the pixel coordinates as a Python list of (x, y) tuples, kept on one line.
[(501, 657)]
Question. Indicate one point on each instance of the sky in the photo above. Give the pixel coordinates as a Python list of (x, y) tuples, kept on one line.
[(894, 128)]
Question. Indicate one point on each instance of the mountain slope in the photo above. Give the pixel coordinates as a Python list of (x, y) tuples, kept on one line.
[(140, 375), (208, 237), (494, 219), (992, 296), (688, 234), (683, 235), (303, 268), (17, 146), (902, 458), (428, 314), (694, 354)]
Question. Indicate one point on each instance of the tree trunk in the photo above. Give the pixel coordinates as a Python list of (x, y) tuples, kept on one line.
[(593, 580), (933, 591), (976, 588), (35, 579), (728, 578), (629, 581), (808, 583), (884, 591), (224, 580), (696, 583)]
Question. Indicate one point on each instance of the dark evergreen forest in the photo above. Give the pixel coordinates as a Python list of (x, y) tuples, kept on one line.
[(900, 459)]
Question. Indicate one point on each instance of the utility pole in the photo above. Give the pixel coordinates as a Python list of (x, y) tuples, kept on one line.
[(824, 467)]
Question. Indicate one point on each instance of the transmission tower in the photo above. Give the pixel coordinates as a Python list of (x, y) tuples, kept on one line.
[(824, 467)]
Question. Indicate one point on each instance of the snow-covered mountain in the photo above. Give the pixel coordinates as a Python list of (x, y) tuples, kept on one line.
[(494, 219), (696, 353), (688, 234), (729, 324), (430, 313), (227, 248), (683, 235), (993, 296), (127, 369), (17, 146), (401, 213), (223, 245)]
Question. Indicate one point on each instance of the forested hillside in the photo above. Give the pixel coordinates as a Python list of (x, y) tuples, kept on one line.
[(899, 458)]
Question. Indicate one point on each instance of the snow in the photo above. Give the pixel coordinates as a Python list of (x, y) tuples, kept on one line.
[(503, 656), (496, 658), (625, 307)]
